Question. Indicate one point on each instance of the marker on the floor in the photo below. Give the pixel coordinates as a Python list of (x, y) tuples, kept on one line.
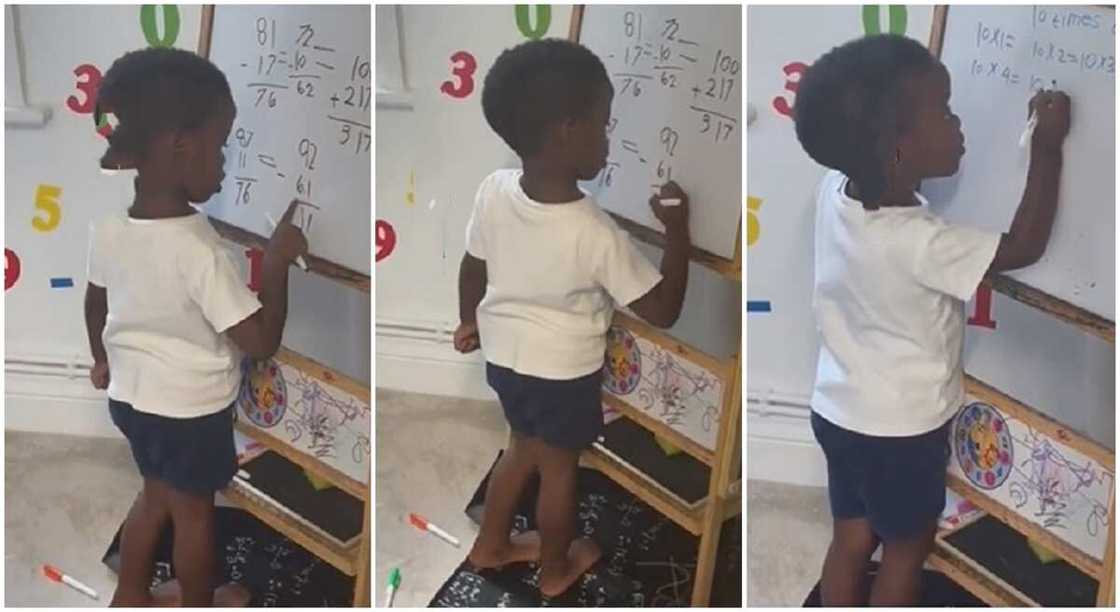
[(54, 574), (424, 525), (392, 586)]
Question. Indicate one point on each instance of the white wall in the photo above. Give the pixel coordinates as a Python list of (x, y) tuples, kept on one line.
[(46, 325), (447, 146)]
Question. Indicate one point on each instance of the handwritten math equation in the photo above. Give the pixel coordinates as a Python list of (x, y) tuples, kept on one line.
[(296, 74), (659, 58), (1000, 46)]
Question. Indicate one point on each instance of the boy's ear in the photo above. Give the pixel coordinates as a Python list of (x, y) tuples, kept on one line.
[(183, 142), (566, 130)]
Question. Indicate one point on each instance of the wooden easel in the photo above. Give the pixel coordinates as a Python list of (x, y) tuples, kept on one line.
[(952, 562), (355, 559), (724, 498)]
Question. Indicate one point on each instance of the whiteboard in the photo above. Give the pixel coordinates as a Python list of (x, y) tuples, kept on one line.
[(997, 56), (300, 76), (678, 82)]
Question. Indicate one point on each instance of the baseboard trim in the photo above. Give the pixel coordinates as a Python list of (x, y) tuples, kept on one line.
[(781, 448), (434, 368), (49, 404)]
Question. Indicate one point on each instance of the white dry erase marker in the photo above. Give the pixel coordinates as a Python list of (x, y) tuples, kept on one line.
[(666, 201), (1032, 121), (299, 260)]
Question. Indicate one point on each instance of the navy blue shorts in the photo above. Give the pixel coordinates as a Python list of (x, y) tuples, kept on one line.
[(195, 456), (564, 413), (896, 483)]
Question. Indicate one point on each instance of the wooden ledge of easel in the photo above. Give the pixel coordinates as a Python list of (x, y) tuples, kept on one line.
[(688, 516), (731, 269), (352, 487), (1005, 515), (1087, 321), (318, 265), (674, 437), (989, 394), (324, 373), (346, 559), (646, 489), (974, 578), (724, 369)]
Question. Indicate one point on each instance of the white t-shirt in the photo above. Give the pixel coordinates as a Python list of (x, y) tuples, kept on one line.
[(172, 291), (889, 296), (555, 273)]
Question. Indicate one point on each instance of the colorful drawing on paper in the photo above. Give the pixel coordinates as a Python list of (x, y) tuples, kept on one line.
[(666, 386), (263, 397), (983, 445), (623, 364), (1045, 481), (312, 416)]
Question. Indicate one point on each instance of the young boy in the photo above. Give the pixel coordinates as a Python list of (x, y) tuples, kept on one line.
[(168, 316), (538, 285), (890, 287)]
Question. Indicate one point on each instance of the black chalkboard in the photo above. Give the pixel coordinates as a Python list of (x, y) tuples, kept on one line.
[(647, 559), (1004, 552), (682, 474), (277, 571), (333, 510)]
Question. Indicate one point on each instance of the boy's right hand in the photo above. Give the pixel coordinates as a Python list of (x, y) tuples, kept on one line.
[(288, 241), (99, 375), (1052, 110), (675, 218), (466, 338)]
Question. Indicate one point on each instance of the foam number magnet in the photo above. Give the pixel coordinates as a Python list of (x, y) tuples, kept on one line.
[(794, 71), (753, 227), (104, 128), (170, 14), (386, 240), (544, 19), (872, 19), (11, 269), (89, 79), (46, 200), (982, 316), (463, 66)]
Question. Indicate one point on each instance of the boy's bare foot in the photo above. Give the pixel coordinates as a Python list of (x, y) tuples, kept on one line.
[(522, 547), (582, 554), (230, 595)]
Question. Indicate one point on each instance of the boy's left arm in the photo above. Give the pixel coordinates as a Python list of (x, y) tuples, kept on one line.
[(472, 288), (96, 311)]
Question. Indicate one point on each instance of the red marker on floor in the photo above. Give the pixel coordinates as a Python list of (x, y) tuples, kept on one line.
[(54, 574), (422, 524)]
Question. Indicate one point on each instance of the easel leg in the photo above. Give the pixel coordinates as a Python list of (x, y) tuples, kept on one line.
[(1106, 591), (361, 582), (706, 555)]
